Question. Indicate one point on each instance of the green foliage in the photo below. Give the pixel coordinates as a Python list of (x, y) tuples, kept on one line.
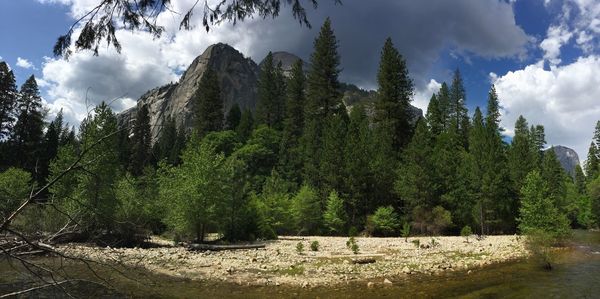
[(259, 155), (15, 185), (223, 142), (538, 212), (244, 129), (394, 95), (466, 232), (594, 197), (416, 242), (8, 99), (27, 133), (290, 152), (274, 208), (194, 192), (270, 108), (314, 246), (334, 216), (306, 207), (405, 231), (208, 104), (352, 245), (299, 248), (384, 221), (234, 117), (140, 141)]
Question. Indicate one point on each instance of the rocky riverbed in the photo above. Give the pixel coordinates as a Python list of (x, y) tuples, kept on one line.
[(378, 261)]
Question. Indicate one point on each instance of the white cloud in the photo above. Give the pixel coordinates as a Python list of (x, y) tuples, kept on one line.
[(422, 96), (24, 63), (564, 99), (557, 37)]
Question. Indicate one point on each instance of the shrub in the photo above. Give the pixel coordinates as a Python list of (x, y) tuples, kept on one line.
[(15, 185), (416, 242), (405, 231), (335, 215), (314, 246), (307, 210), (466, 232), (353, 232), (299, 247), (383, 222), (351, 244)]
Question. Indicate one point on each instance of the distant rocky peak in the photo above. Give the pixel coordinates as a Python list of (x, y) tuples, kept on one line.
[(287, 61), (567, 157)]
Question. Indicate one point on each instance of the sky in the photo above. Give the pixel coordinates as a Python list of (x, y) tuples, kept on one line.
[(543, 56)]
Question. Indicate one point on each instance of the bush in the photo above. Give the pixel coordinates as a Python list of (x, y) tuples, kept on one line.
[(405, 231), (15, 185), (314, 246), (307, 210), (335, 214), (299, 247), (466, 232), (433, 221), (351, 244), (383, 222)]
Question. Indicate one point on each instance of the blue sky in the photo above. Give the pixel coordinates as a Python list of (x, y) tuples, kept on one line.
[(541, 54)]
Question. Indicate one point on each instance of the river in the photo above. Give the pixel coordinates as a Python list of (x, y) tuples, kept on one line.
[(575, 274)]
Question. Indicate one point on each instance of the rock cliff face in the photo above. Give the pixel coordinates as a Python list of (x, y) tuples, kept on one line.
[(238, 77), (568, 158)]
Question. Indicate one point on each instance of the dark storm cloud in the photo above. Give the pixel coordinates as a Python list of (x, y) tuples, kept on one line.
[(419, 29)]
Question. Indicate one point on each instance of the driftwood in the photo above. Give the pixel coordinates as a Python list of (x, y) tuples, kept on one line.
[(363, 261), (204, 247)]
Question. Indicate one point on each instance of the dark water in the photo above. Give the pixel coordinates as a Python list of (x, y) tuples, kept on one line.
[(576, 274)]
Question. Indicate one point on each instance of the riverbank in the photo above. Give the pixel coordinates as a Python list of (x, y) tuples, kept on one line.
[(379, 260)]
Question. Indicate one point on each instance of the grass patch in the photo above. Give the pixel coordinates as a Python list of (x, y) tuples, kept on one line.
[(294, 270)]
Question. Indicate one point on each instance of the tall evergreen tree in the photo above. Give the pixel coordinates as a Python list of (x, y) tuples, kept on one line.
[(597, 134), (394, 95), (233, 117), (554, 175), (28, 132), (271, 97), (332, 158), (434, 116), (520, 158), (416, 185), (358, 178), (8, 99), (166, 141), (537, 138), (140, 141), (444, 106), (580, 180), (457, 107), (244, 129), (208, 104), (323, 99), (591, 163), (290, 160)]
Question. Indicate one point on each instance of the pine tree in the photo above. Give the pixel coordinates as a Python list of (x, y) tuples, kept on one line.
[(415, 184), (554, 176), (323, 99), (597, 134), (140, 141), (457, 109), (443, 98), (591, 163), (166, 141), (244, 129), (394, 95), (520, 158), (233, 117), (50, 145), (538, 214), (27, 135), (8, 99), (537, 140), (271, 94), (290, 160), (334, 216), (580, 180), (208, 104), (434, 116), (332, 158), (358, 181)]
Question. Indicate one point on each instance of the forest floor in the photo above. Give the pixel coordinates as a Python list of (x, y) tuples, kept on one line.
[(379, 260)]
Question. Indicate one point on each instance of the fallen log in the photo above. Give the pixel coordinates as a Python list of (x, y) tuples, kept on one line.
[(205, 247), (363, 261)]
